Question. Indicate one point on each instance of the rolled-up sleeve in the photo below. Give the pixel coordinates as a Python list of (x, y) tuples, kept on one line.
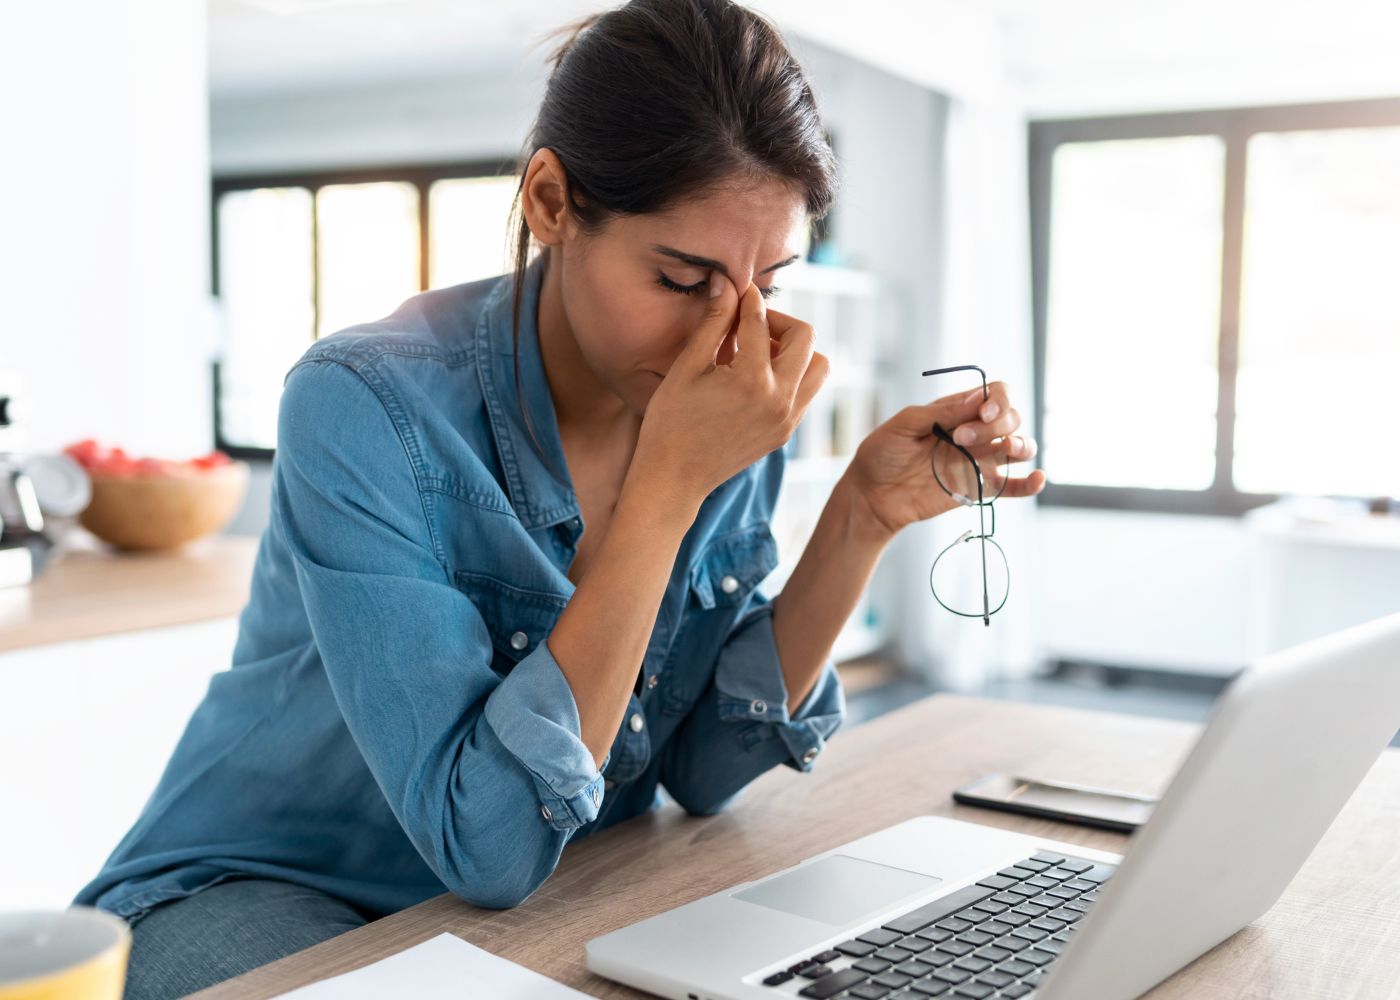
[(486, 774), (742, 726)]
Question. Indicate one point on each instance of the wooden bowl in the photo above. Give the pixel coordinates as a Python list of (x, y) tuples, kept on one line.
[(164, 510)]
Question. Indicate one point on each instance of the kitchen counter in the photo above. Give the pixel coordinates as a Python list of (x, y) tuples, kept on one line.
[(89, 589)]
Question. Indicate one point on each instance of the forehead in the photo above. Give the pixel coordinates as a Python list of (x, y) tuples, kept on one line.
[(729, 222)]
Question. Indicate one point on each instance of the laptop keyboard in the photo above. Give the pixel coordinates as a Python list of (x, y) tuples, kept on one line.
[(996, 938)]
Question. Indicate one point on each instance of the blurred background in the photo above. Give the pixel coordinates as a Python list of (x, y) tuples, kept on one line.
[(1173, 229)]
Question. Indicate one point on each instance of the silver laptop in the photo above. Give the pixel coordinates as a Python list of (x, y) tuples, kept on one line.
[(934, 907)]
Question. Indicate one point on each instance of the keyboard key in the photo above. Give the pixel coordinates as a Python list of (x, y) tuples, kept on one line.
[(992, 953), (1040, 881), (872, 965), (880, 937), (914, 968), (1048, 924), (931, 987), (1016, 968), (827, 956), (1019, 990), (1025, 891), (1016, 872), (829, 986), (996, 881), (1058, 874), (1009, 898), (938, 909), (972, 964), (778, 978), (952, 975), (955, 947), (978, 937), (1083, 885), (804, 964), (893, 980), (1015, 919), (996, 978), (996, 928), (1099, 873), (990, 906), (955, 924), (1077, 864), (1012, 943), (856, 949), (1036, 956), (914, 943), (1051, 945), (893, 955), (975, 991), (1030, 933), (933, 934), (815, 971), (1034, 865), (1046, 856), (869, 991)]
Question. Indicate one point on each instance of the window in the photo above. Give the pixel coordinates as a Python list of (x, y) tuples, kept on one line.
[(297, 258), (1202, 282)]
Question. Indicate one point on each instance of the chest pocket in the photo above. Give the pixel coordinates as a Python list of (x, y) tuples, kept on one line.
[(719, 582), (518, 619)]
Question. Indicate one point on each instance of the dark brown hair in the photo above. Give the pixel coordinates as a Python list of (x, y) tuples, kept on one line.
[(657, 101)]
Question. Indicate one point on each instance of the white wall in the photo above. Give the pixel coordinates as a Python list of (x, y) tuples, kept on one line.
[(104, 192)]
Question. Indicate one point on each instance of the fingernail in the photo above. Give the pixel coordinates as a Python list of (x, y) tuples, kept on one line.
[(990, 411), (716, 285)]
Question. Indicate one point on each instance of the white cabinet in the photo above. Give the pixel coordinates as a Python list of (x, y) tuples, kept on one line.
[(86, 728)]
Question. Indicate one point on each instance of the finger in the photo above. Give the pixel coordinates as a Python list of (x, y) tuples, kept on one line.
[(1025, 486), (700, 350), (752, 340), (799, 343), (813, 377), (1008, 449), (948, 412), (980, 432)]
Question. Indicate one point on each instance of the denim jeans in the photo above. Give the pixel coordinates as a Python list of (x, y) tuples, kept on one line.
[(222, 931)]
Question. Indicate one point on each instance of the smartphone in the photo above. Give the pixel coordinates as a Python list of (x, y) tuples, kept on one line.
[(1099, 807)]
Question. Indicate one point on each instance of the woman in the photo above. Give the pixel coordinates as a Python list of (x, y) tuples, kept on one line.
[(509, 585)]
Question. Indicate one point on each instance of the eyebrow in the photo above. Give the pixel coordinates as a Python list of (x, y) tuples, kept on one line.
[(715, 265)]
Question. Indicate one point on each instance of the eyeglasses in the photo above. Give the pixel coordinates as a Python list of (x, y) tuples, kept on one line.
[(961, 478)]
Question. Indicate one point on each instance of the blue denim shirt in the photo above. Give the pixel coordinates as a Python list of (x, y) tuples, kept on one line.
[(394, 723)]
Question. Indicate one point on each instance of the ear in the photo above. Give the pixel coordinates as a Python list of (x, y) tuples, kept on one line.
[(544, 199)]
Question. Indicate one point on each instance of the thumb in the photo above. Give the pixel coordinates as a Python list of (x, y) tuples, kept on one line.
[(703, 345)]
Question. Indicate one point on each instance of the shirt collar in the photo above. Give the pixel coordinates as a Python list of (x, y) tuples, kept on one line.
[(537, 492)]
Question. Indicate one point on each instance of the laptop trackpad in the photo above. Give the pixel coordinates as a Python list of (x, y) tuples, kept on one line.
[(836, 889)]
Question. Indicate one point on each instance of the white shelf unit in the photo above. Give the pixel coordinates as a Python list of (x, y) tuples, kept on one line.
[(843, 307)]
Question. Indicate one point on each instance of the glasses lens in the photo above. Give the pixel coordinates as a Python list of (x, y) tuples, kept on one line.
[(957, 574)]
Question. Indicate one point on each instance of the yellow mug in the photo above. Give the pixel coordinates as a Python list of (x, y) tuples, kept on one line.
[(74, 954)]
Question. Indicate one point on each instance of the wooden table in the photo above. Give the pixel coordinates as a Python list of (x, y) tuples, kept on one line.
[(90, 589), (1335, 932)]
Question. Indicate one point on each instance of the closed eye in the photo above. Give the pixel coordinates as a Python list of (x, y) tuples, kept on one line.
[(699, 286)]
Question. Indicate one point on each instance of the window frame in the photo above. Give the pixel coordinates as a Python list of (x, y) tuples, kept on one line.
[(1234, 126), (421, 176)]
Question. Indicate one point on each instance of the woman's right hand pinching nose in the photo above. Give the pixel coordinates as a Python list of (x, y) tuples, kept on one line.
[(707, 420)]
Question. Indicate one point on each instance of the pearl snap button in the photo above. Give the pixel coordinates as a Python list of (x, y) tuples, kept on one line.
[(729, 585), (544, 811), (597, 794), (519, 641), (651, 681), (810, 755), (636, 723), (758, 706)]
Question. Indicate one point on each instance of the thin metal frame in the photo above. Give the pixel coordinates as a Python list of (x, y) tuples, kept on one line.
[(1235, 126)]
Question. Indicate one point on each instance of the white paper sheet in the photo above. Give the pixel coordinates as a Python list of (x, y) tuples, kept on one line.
[(444, 966)]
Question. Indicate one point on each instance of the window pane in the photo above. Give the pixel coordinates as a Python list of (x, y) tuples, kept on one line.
[(468, 229), (367, 249), (1318, 316), (1133, 312), (265, 288)]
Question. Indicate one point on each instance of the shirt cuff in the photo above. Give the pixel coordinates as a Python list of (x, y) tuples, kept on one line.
[(534, 715), (750, 688)]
